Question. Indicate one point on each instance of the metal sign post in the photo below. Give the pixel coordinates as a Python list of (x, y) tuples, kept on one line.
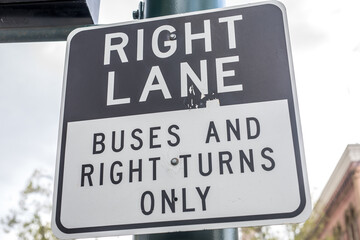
[(156, 8)]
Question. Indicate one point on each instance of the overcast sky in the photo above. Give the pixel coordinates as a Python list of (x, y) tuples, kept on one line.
[(325, 41)]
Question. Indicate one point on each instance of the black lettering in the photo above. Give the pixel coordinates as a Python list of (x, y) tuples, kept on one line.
[(113, 145), (272, 162), (234, 130), (249, 162), (118, 174), (101, 174), (153, 136), (132, 170), (98, 142), (203, 196), (136, 137), (226, 162), (152, 203), (185, 157), (212, 133), (248, 126), (86, 174), (170, 200), (185, 209), (201, 165), (174, 135), (154, 166)]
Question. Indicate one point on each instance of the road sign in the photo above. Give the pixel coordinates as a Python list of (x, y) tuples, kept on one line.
[(180, 123)]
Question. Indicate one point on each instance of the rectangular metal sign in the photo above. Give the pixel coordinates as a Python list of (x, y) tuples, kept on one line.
[(180, 123)]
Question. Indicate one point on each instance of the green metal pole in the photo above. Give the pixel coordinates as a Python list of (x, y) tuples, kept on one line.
[(156, 8), (219, 234)]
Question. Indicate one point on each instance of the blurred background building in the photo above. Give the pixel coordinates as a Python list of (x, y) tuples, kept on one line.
[(336, 215)]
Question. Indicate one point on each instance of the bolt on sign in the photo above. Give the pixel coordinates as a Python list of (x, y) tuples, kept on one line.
[(180, 123)]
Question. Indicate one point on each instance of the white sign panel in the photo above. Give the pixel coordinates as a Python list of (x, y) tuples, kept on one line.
[(180, 123)]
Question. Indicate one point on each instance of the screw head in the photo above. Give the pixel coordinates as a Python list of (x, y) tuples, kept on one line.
[(174, 161), (172, 36)]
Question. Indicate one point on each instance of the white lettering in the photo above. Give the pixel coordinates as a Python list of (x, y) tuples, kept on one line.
[(140, 45), (110, 92), (189, 37), (201, 84), (119, 47), (231, 28), (172, 44), (221, 74), (150, 86)]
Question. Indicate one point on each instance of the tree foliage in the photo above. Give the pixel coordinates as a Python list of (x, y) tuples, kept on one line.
[(31, 219), (257, 233)]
